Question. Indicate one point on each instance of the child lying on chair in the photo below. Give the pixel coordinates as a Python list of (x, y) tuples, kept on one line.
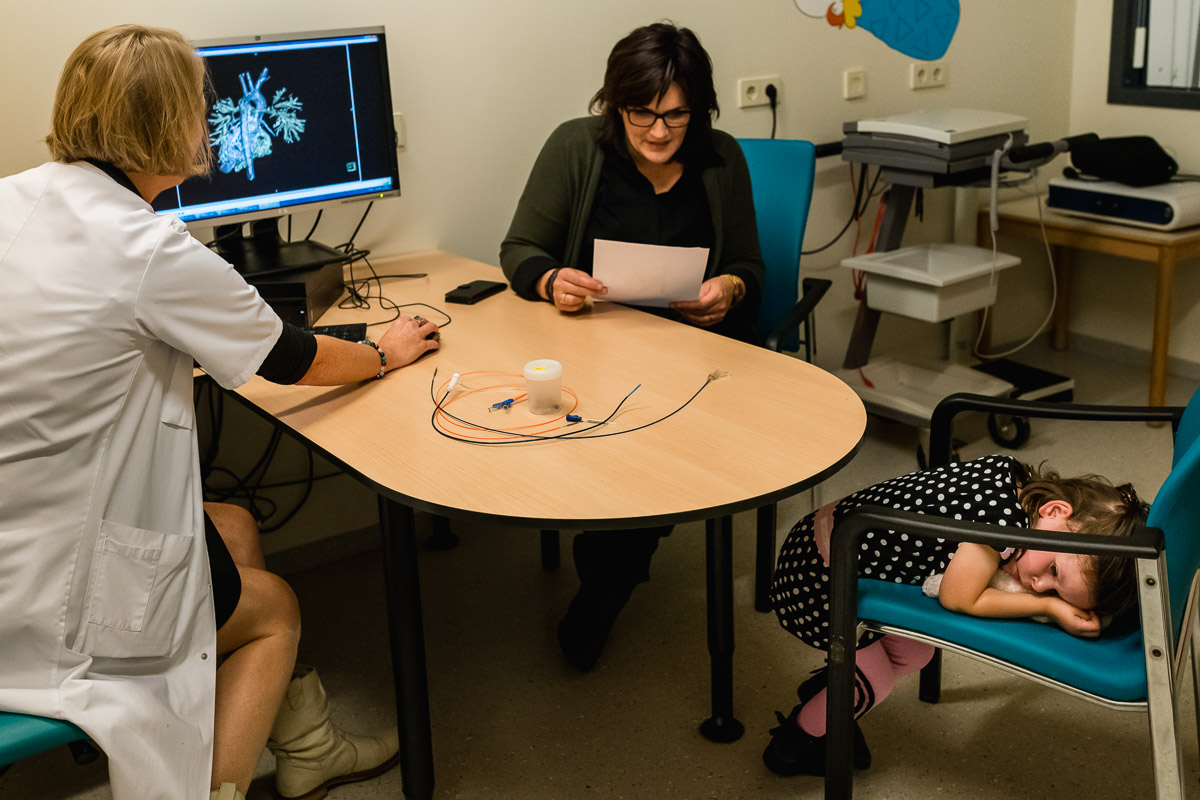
[(1073, 591)]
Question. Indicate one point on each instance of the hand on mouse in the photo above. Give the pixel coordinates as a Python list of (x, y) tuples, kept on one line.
[(407, 339), (436, 335)]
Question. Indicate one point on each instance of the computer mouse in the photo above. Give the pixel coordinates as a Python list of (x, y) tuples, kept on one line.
[(435, 336)]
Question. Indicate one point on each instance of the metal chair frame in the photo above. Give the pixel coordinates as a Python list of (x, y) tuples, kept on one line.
[(1164, 658)]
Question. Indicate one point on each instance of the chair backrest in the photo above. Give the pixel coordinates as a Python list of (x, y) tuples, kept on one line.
[(781, 174), (1189, 427), (1176, 510)]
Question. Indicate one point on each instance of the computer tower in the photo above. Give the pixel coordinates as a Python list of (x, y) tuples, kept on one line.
[(301, 297)]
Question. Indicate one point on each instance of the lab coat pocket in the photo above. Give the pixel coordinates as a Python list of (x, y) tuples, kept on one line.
[(134, 592), (178, 408)]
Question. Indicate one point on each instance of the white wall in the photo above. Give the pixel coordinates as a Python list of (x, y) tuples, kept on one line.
[(482, 83), (1114, 297)]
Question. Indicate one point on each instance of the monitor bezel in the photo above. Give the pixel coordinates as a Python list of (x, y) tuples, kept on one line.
[(279, 212)]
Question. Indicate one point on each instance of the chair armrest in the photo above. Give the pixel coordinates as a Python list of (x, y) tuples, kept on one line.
[(941, 422), (1143, 543), (814, 290)]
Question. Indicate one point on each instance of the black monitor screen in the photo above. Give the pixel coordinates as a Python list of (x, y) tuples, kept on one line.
[(293, 120)]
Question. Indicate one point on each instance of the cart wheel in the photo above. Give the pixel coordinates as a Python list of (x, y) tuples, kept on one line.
[(1008, 431)]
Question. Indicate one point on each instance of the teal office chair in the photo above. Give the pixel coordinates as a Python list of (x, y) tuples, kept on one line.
[(22, 736), (781, 176), (1141, 669)]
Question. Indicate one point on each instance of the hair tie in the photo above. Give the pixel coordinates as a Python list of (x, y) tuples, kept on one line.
[(1129, 496)]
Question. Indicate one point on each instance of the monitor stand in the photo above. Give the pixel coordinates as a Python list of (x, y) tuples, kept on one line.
[(265, 253)]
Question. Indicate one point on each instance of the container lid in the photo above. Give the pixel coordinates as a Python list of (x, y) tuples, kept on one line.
[(937, 264)]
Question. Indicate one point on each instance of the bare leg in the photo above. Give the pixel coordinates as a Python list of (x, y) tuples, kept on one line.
[(259, 644), (239, 531)]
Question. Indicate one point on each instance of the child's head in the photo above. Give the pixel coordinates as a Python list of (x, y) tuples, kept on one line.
[(1097, 507)]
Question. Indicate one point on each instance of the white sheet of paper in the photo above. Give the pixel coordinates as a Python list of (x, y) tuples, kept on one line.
[(648, 274)]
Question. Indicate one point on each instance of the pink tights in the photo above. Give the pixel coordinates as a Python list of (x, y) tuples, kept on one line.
[(881, 663)]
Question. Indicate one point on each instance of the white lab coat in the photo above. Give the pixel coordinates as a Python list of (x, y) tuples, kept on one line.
[(106, 613)]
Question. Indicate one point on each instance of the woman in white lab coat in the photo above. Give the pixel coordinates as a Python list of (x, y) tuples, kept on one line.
[(108, 613)]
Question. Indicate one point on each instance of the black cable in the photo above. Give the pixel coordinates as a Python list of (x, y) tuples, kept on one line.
[(316, 221), (773, 95), (359, 295), (573, 434), (857, 212), (234, 230), (308, 487), (348, 246), (526, 437)]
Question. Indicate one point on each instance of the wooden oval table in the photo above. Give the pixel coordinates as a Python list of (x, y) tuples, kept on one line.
[(768, 428)]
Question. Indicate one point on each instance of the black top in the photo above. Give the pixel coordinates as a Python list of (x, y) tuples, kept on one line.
[(626, 209), (291, 356)]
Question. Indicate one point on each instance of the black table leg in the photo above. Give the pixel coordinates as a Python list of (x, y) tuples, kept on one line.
[(764, 557), (721, 726), (407, 634), (551, 552)]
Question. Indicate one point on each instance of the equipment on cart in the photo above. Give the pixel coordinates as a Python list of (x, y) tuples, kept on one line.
[(926, 150)]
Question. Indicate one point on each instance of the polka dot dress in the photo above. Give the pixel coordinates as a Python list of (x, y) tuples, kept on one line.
[(984, 490)]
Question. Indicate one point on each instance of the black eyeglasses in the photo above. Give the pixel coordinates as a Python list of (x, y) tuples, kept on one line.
[(645, 118)]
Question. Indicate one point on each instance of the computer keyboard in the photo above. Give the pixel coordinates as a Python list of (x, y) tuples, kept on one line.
[(351, 332)]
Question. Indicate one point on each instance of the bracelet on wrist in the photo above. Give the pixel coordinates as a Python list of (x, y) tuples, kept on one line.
[(550, 284), (737, 287), (382, 357)]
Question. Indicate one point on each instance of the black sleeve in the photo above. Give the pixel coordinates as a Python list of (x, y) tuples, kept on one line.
[(527, 275), (291, 356)]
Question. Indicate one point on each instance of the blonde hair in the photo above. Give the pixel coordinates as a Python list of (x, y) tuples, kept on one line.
[(133, 96)]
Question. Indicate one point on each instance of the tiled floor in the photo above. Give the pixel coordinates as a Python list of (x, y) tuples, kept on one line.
[(512, 720)]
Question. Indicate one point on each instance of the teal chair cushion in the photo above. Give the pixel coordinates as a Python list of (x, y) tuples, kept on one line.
[(1112, 667), (22, 735)]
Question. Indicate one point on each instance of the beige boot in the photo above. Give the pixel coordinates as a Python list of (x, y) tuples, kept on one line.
[(227, 792), (312, 754)]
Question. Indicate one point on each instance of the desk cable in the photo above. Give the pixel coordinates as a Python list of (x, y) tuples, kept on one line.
[(247, 488), (523, 438)]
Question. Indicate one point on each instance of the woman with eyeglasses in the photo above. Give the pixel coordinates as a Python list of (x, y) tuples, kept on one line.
[(647, 167)]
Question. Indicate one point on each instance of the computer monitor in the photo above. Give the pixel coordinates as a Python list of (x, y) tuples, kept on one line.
[(296, 122)]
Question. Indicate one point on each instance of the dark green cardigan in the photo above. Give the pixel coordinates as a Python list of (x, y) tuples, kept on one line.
[(548, 227)]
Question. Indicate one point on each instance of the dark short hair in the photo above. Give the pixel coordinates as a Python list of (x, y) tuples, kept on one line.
[(642, 67)]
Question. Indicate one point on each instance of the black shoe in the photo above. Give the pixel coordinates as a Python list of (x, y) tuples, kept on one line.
[(807, 690), (585, 627), (792, 751)]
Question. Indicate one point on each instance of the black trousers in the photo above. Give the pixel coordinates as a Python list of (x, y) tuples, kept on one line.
[(226, 582), (616, 557)]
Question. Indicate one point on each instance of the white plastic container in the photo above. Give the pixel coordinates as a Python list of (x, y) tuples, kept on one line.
[(931, 282), (543, 386)]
